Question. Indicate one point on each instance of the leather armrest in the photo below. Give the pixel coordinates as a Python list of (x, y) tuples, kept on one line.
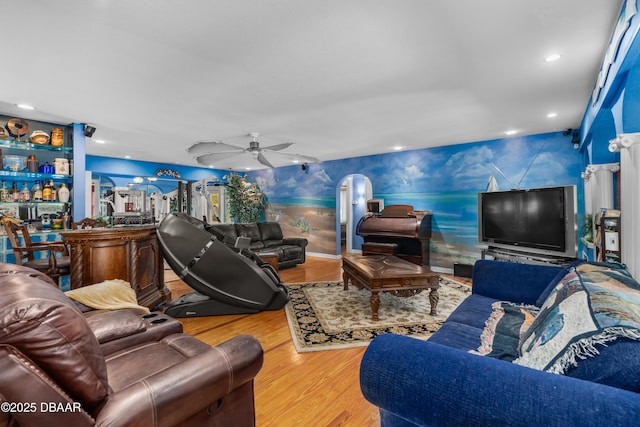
[(297, 241), (183, 390), (119, 329), (108, 325)]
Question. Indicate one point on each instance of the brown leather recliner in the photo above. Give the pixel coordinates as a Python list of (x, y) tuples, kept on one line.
[(53, 370)]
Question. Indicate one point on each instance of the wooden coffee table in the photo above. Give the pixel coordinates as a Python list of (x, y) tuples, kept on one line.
[(387, 273)]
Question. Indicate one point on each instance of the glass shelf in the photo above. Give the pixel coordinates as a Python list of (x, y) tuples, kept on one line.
[(34, 175), (34, 203), (6, 143)]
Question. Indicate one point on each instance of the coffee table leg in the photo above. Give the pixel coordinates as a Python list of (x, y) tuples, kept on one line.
[(375, 304), (434, 297), (345, 279)]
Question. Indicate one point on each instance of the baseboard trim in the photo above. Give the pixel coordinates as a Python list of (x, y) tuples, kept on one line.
[(321, 255), (442, 270)]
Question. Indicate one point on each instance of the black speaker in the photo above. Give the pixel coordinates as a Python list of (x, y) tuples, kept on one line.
[(88, 131), (463, 270)]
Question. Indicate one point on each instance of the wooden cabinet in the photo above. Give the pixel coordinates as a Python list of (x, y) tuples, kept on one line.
[(128, 253), (607, 238)]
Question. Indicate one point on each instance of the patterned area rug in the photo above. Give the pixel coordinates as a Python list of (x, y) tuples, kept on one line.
[(323, 316)]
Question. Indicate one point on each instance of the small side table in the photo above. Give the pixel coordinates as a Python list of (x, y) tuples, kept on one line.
[(271, 258)]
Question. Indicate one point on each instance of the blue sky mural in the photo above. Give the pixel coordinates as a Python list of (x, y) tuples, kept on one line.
[(549, 158), (444, 180)]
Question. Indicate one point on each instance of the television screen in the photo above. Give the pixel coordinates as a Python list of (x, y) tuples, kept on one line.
[(541, 220)]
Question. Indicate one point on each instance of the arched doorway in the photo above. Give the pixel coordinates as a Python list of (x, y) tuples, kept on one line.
[(352, 193)]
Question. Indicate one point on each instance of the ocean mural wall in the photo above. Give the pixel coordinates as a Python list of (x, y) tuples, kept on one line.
[(444, 180)]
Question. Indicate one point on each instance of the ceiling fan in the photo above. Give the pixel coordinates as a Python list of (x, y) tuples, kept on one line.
[(210, 152)]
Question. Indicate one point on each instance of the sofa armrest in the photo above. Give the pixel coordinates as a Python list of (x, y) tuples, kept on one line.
[(429, 384), (119, 329), (200, 383), (296, 241), (512, 281)]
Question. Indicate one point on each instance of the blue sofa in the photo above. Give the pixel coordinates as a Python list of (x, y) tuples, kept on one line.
[(440, 382)]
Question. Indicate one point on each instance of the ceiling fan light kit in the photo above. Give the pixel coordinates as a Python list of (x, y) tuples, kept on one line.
[(209, 153)]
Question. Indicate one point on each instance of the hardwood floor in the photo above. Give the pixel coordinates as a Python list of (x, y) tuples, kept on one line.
[(293, 389)]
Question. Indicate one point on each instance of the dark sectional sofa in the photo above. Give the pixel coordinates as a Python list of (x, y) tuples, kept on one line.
[(532, 345), (266, 237)]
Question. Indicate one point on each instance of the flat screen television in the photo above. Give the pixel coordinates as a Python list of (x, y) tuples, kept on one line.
[(538, 221)]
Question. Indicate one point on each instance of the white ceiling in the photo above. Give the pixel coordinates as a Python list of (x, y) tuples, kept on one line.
[(339, 78)]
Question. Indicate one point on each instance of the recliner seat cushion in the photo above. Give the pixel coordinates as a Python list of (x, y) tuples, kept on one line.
[(128, 366)]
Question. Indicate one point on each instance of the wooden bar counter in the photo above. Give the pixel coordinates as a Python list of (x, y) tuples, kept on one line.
[(129, 253)]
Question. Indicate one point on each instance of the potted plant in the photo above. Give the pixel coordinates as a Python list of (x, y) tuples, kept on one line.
[(246, 201)]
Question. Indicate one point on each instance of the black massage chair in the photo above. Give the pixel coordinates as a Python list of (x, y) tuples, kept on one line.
[(227, 280)]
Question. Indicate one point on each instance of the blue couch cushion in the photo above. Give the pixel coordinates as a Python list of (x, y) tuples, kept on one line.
[(473, 311), (457, 335), (591, 317)]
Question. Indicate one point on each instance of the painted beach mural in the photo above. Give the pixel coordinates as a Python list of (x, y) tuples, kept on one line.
[(443, 180)]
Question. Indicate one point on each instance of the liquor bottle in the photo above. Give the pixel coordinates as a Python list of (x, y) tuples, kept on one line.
[(46, 192), (4, 192), (36, 192), (66, 218), (63, 193), (54, 195), (14, 194), (25, 193)]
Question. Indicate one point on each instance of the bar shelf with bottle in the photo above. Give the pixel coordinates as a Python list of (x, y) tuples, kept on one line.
[(30, 146)]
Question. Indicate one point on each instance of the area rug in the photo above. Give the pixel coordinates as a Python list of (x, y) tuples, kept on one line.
[(323, 316)]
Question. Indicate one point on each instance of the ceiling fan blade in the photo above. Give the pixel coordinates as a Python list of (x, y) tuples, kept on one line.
[(211, 158), (278, 147), (205, 147), (264, 160), (300, 157)]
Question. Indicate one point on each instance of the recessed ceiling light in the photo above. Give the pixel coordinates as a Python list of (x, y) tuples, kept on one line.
[(295, 161), (511, 132), (127, 157), (100, 141), (552, 58), (398, 148), (552, 115), (26, 106), (247, 169)]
